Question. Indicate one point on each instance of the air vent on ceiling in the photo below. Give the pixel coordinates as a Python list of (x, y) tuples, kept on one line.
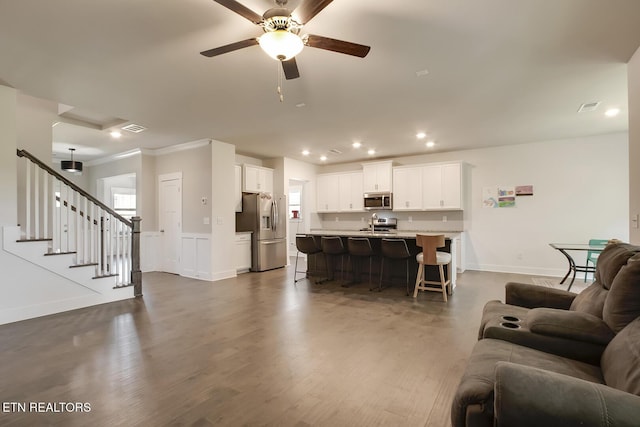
[(590, 106), (335, 151), (134, 128)]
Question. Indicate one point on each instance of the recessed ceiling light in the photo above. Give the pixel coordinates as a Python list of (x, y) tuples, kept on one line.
[(612, 112), (371, 152), (430, 144), (323, 158), (356, 144), (305, 152), (115, 134), (421, 135)]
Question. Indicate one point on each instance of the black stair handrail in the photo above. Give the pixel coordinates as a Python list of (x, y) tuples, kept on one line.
[(34, 159)]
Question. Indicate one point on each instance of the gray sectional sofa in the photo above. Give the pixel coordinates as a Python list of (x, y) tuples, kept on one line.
[(550, 357)]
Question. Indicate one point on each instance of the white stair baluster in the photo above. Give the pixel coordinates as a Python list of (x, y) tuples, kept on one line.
[(27, 206)]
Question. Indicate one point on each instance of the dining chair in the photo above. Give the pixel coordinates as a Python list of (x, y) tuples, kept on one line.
[(592, 256)]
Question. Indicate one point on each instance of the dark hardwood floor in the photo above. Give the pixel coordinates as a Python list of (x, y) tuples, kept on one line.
[(255, 350)]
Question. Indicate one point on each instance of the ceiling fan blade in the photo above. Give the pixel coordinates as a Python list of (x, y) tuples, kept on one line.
[(241, 10), (310, 8), (339, 46), (229, 48), (290, 69)]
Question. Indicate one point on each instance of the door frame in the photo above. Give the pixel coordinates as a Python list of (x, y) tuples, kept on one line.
[(163, 178)]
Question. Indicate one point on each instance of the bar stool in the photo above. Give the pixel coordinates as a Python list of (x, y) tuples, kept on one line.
[(431, 256), (394, 249), (359, 247), (308, 246), (332, 246)]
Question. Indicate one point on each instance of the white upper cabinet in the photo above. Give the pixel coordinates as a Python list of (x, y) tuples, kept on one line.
[(328, 197), (340, 192), (377, 177), (442, 187), (350, 192), (257, 179), (238, 187), (407, 188)]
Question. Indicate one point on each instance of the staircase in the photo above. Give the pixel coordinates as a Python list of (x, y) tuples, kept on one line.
[(70, 233)]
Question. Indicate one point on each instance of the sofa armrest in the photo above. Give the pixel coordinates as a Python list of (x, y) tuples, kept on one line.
[(572, 325), (532, 296), (532, 397)]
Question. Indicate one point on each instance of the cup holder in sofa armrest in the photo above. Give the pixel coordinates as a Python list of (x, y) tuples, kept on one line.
[(510, 319), (510, 325)]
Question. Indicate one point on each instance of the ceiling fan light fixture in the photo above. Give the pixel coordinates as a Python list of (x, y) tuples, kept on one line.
[(281, 45)]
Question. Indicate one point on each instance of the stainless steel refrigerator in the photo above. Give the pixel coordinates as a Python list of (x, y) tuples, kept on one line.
[(265, 215)]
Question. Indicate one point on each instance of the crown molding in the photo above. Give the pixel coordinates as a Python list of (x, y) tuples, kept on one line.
[(180, 147), (150, 152)]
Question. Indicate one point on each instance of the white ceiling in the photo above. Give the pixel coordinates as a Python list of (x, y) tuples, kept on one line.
[(499, 72)]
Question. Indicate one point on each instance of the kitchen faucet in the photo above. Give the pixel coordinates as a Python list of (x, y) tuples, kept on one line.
[(373, 217)]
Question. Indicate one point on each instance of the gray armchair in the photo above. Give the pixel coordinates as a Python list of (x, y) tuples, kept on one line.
[(540, 389), (577, 326)]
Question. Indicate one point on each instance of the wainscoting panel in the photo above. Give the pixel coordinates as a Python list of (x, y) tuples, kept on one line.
[(196, 256), (150, 246)]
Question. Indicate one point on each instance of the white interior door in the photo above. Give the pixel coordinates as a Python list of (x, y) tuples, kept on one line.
[(170, 220)]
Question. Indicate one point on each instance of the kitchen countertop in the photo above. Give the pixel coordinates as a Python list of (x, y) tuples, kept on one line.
[(405, 234)]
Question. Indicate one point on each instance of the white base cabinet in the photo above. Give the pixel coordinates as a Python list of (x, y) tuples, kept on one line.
[(242, 252)]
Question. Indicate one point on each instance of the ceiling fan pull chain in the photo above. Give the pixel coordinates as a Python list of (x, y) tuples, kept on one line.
[(279, 81)]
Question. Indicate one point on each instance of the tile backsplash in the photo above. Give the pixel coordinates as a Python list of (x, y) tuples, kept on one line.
[(423, 221)]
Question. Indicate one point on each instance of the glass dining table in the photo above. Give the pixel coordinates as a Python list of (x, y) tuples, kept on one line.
[(566, 249)]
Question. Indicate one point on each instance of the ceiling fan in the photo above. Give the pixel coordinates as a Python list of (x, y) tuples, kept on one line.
[(281, 39)]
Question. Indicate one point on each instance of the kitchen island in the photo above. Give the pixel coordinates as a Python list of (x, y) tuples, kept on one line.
[(316, 266)]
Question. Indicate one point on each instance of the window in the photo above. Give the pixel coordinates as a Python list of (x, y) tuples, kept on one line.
[(295, 196), (124, 201)]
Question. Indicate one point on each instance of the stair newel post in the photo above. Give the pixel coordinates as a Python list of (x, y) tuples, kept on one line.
[(136, 274)]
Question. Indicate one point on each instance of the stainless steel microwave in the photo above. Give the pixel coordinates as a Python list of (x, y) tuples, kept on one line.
[(378, 201)]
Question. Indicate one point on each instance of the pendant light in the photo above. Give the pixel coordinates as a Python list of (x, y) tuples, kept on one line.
[(71, 165)]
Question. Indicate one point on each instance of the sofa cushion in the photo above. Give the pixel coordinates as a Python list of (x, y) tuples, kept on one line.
[(620, 362), (576, 326), (612, 258), (591, 300), (610, 261), (622, 305), (476, 385)]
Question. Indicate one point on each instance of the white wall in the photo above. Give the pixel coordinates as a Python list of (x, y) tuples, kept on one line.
[(223, 215), (8, 140), (195, 165), (580, 192), (633, 73), (301, 172)]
